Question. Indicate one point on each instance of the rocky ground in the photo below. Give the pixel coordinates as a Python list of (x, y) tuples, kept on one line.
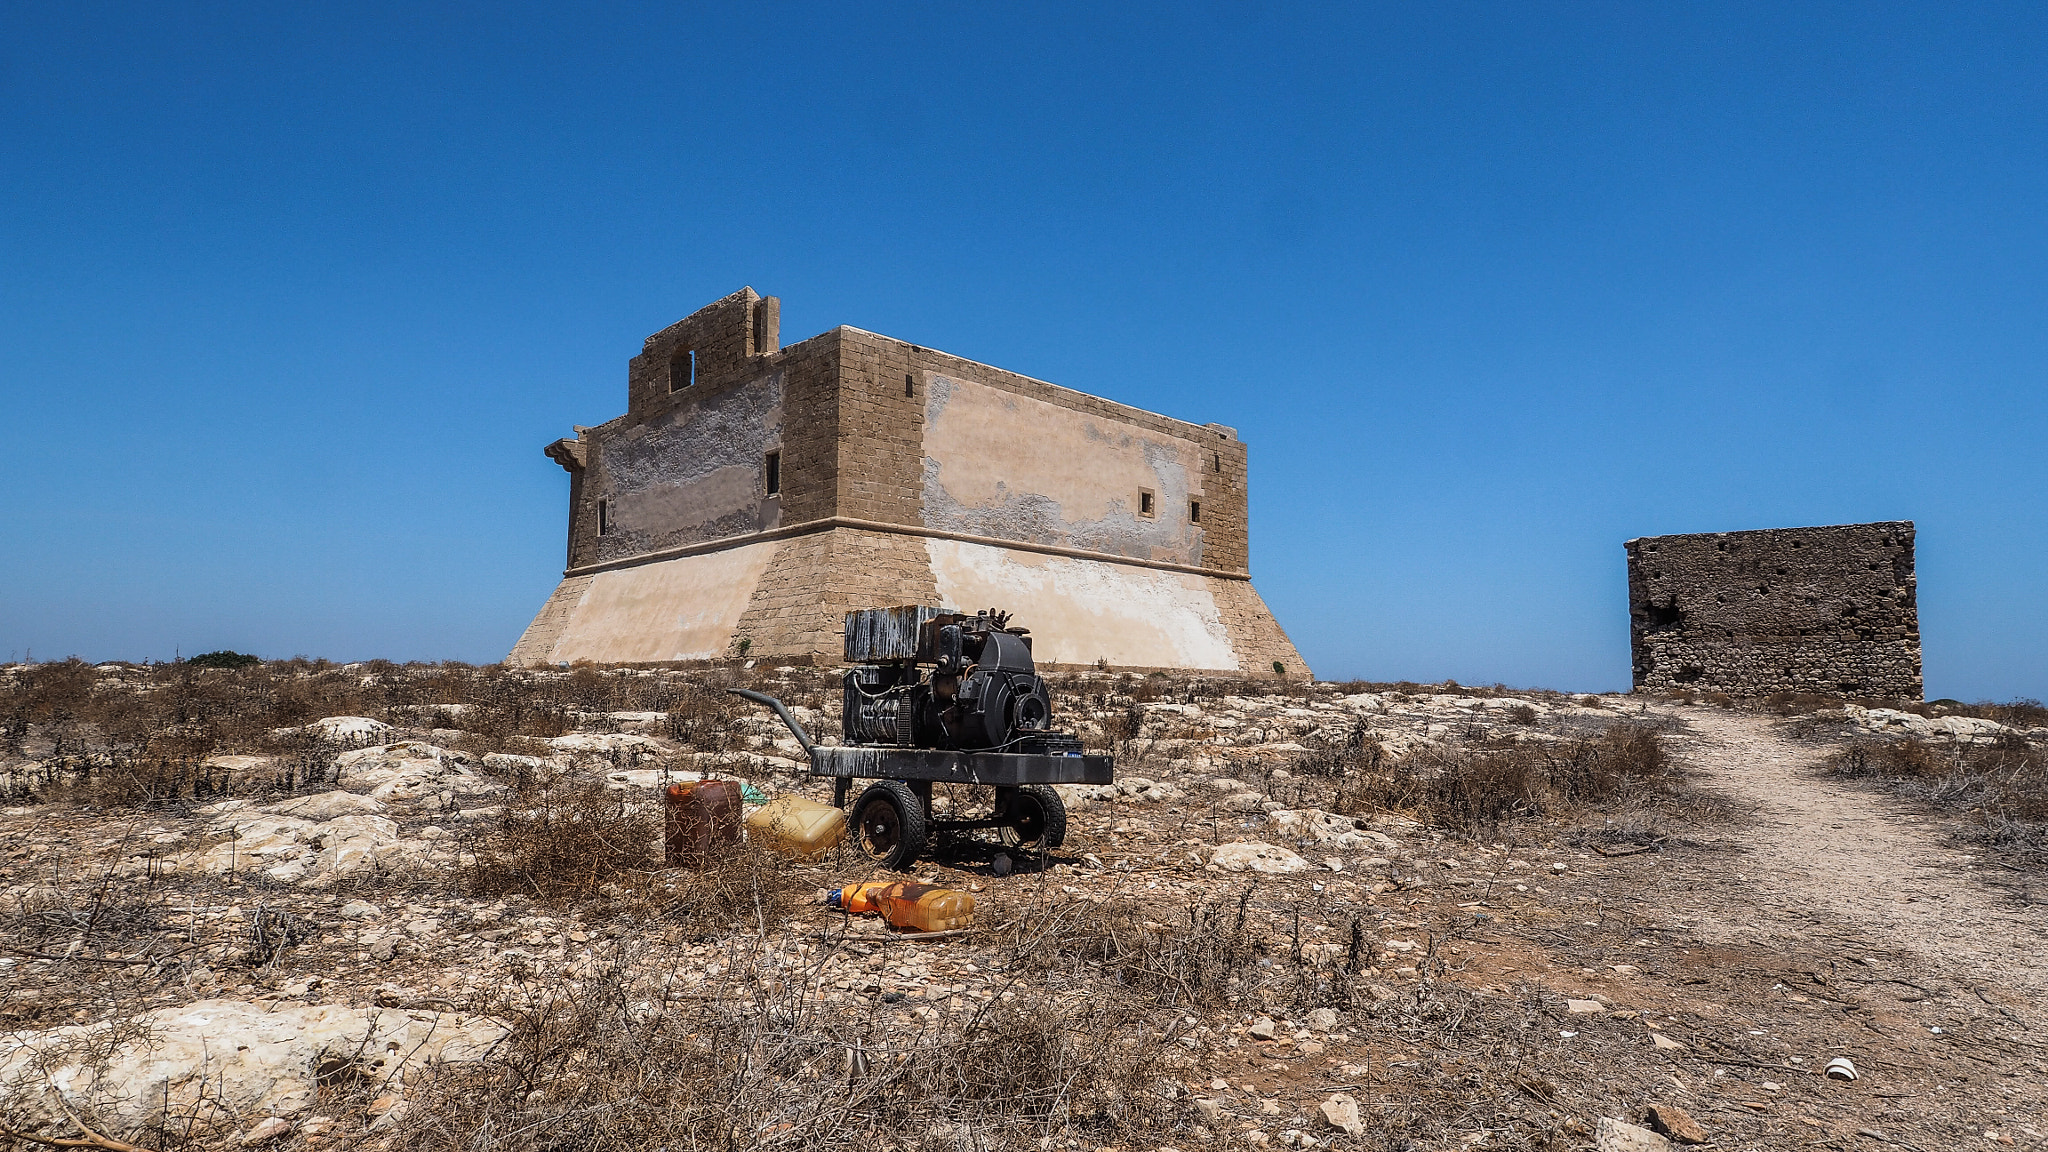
[(1281, 926)]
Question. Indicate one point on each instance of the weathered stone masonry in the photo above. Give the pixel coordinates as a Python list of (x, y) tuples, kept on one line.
[(1828, 609), (752, 494)]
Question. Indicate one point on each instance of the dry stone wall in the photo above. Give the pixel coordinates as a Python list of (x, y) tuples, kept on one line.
[(1828, 609)]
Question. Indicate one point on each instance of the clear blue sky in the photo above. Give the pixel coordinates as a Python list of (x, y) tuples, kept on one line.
[(290, 301)]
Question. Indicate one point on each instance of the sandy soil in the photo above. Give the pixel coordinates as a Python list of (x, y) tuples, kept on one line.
[(1825, 920), (1857, 868)]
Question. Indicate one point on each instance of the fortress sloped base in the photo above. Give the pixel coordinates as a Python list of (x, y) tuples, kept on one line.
[(785, 599)]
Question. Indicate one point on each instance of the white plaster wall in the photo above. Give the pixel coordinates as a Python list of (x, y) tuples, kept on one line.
[(1081, 611), (682, 609), (1018, 468)]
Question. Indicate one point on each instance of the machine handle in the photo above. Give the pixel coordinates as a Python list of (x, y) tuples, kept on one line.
[(795, 728)]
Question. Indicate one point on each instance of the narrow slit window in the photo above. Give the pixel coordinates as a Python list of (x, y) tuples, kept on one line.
[(1219, 461), (604, 518), (1194, 511), (771, 473), (682, 369), (1145, 503), (909, 386)]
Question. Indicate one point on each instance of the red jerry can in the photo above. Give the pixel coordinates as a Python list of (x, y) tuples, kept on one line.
[(700, 822)]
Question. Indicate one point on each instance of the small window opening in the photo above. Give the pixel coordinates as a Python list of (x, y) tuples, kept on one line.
[(604, 518), (1219, 461), (771, 473), (909, 386), (1145, 503), (1194, 511), (682, 369)]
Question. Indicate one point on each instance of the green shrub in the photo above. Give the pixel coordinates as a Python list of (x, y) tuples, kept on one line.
[(224, 659)]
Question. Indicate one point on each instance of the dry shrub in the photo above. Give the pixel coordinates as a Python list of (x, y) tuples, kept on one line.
[(2002, 786), (596, 1065), (565, 841), (1475, 790), (749, 889), (1482, 790), (1203, 957), (704, 717), (561, 838), (1892, 760)]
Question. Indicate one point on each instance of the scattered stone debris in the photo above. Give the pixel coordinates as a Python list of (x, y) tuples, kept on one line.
[(219, 1061), (1611, 1135), (1674, 1123), (1316, 966)]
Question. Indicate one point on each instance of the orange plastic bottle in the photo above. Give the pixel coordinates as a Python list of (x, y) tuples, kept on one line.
[(908, 905)]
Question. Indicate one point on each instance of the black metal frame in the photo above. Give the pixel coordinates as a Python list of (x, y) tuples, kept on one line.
[(921, 768)]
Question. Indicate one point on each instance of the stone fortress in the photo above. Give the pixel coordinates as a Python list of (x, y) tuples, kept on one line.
[(753, 494), (1828, 609)]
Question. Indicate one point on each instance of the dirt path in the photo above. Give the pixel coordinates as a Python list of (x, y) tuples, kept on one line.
[(1853, 866)]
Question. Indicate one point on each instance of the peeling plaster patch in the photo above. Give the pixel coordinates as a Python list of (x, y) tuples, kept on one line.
[(682, 609), (1080, 611), (1072, 481), (693, 475)]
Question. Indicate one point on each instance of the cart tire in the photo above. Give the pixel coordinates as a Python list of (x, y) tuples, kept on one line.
[(1037, 818), (889, 824)]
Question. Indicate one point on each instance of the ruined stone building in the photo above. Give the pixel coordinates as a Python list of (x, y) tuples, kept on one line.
[(752, 494), (1785, 609)]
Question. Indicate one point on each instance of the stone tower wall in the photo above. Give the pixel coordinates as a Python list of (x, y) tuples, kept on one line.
[(1830, 609), (906, 475)]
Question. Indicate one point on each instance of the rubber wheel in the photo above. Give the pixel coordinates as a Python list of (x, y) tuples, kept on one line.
[(889, 824), (1037, 819)]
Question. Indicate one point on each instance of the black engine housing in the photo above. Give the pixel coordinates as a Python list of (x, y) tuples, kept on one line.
[(982, 693)]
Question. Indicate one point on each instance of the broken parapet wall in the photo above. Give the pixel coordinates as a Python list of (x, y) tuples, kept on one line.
[(1830, 609)]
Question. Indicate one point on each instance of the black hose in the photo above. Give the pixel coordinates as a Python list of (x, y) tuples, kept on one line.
[(795, 728)]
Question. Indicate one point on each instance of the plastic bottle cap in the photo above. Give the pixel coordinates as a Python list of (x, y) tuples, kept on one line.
[(833, 900)]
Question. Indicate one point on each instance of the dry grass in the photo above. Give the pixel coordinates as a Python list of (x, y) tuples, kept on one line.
[(1474, 790), (562, 838), (127, 736), (595, 1066), (2002, 788)]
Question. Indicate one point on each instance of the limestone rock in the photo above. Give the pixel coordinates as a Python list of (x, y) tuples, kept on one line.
[(1611, 1135), (1674, 1122), (239, 765), (1323, 1019), (1253, 856), (1892, 722), (245, 1060), (290, 850), (1326, 828), (507, 764), (1341, 1111), (1263, 1028), (265, 1130), (347, 731), (606, 745), (327, 805), (1584, 1007), (412, 770), (1665, 1043)]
